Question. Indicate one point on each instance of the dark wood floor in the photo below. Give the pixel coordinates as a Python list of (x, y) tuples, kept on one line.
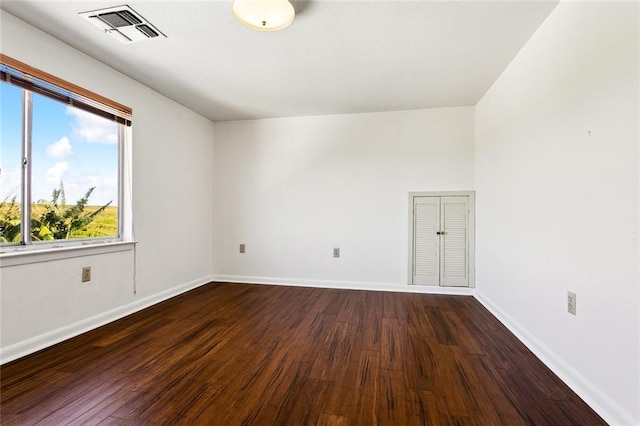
[(231, 354)]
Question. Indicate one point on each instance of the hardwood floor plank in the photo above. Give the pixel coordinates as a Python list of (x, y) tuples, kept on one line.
[(394, 341), (114, 421), (496, 391), (332, 420), (441, 326), (239, 354), (424, 409)]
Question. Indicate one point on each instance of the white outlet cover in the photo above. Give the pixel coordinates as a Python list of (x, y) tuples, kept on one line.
[(571, 303)]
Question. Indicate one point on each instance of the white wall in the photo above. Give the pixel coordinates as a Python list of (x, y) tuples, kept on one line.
[(557, 186), (172, 186), (292, 189)]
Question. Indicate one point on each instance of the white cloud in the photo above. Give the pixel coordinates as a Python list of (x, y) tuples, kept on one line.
[(60, 150), (106, 188), (92, 128), (56, 173), (10, 178)]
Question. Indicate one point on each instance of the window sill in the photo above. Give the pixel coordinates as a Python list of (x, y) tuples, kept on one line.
[(23, 257)]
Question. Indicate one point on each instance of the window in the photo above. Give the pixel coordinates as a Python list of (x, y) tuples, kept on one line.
[(61, 160)]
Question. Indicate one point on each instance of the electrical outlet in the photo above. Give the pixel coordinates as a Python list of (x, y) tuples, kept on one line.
[(86, 274), (336, 252), (242, 248), (571, 302)]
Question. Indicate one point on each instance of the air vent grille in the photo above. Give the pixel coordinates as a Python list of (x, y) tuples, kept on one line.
[(121, 18), (147, 30), (123, 23)]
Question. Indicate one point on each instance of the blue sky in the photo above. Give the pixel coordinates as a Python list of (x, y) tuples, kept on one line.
[(68, 145)]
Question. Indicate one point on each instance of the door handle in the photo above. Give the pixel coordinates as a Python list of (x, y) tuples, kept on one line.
[(440, 233)]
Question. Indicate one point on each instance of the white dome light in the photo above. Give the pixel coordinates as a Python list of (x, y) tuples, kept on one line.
[(264, 15)]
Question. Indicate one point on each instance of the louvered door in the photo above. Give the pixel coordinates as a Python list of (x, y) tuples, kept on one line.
[(454, 242), (426, 248), (440, 241)]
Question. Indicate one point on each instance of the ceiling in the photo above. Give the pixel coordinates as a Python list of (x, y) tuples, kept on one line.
[(337, 57)]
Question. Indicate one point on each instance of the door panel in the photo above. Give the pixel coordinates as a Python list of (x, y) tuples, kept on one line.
[(455, 242), (426, 249)]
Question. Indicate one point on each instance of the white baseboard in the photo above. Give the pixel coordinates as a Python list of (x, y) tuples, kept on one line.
[(607, 408), (34, 344), (347, 285)]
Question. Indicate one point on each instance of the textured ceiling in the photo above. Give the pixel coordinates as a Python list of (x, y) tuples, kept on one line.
[(337, 56)]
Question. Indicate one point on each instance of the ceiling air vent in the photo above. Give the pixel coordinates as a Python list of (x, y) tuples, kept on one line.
[(123, 23)]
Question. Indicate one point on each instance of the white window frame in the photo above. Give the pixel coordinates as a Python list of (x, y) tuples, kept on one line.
[(27, 251)]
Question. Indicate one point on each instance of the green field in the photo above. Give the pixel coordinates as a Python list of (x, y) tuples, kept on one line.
[(105, 223)]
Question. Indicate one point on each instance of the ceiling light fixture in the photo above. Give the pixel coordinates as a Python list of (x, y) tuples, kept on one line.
[(264, 15)]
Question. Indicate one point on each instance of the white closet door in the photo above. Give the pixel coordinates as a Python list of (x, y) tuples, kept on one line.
[(426, 244), (454, 246)]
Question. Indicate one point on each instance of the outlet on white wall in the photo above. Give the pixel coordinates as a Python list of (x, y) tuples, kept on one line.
[(571, 302), (86, 274)]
